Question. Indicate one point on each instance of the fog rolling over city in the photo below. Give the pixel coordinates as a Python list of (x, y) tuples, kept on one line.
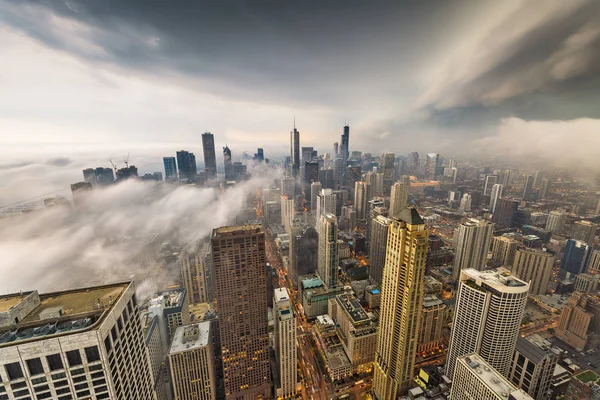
[(108, 238)]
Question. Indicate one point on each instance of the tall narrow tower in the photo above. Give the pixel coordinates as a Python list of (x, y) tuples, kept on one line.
[(473, 245), (487, 317), (399, 195), (345, 148), (285, 342), (241, 302), (328, 250), (295, 149), (401, 302), (210, 159)]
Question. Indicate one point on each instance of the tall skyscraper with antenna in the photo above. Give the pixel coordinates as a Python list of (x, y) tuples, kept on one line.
[(295, 150), (346, 143)]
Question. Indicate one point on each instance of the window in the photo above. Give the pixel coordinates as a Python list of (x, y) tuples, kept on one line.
[(113, 333), (35, 366), (54, 362), (74, 357), (92, 354), (107, 344), (14, 371)]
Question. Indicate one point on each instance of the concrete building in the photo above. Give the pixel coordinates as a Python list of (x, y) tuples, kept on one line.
[(544, 189), (315, 296), (80, 343), (288, 212), (192, 364), (476, 379), (528, 188), (172, 310), (360, 199), (587, 283), (490, 181), (377, 247), (330, 348), (504, 213), (431, 164), (534, 266), (357, 330), (465, 203), (495, 196), (593, 266), (376, 206), (326, 203), (556, 221), (285, 343), (584, 231), (533, 365), (575, 258), (487, 317), (241, 301), (472, 245), (210, 158), (195, 272), (584, 386), (387, 167), (503, 250), (303, 252), (157, 353), (328, 250), (315, 189), (401, 302), (433, 322), (399, 195), (579, 317)]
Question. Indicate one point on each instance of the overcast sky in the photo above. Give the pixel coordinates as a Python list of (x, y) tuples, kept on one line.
[(104, 77)]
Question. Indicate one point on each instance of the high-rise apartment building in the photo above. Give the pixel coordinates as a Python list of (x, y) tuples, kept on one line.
[(186, 163), (192, 364), (195, 272), (504, 213), (210, 158), (487, 317), (503, 250), (172, 310), (533, 365), (326, 203), (477, 379), (170, 168), (465, 202), (311, 174), (578, 317), (533, 266), (584, 231), (285, 343), (412, 163), (593, 265), (556, 221), (378, 247), (80, 343), (241, 301), (544, 189), (495, 196), (288, 212), (375, 207), (315, 189), (401, 302), (528, 188), (387, 167), (433, 322), (328, 250), (399, 195), (304, 251), (472, 245), (431, 165)]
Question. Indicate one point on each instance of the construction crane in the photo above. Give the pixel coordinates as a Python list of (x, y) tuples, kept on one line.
[(127, 161), (113, 165)]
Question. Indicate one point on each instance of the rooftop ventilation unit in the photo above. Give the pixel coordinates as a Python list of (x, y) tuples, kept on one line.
[(25, 334), (7, 337), (81, 323), (44, 330), (64, 326)]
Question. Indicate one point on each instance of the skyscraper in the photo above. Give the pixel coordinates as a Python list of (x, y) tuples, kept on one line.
[(377, 247), (336, 149), (472, 245), (401, 302), (210, 159), (545, 188), (503, 250), (328, 250), (584, 231), (304, 251), (431, 163), (186, 163), (487, 317), (315, 189), (311, 174), (528, 188), (375, 207), (295, 150), (575, 258), (576, 318), (495, 195), (534, 266), (241, 300), (229, 173), (412, 162), (360, 199), (399, 195), (326, 204), (345, 148), (387, 164), (285, 342), (170, 168), (53, 342), (490, 180), (504, 214), (533, 365), (465, 202), (192, 364), (556, 221), (477, 379)]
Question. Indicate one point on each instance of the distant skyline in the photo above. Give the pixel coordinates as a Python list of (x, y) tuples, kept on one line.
[(94, 80)]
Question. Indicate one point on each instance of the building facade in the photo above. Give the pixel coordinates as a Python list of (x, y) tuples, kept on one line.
[(378, 247), (285, 343), (328, 250), (534, 266), (210, 158), (472, 245)]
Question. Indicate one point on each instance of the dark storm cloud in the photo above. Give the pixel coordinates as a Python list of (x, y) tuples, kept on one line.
[(541, 61)]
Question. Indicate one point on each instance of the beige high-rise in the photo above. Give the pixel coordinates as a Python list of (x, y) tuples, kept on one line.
[(241, 304), (401, 303), (473, 240), (503, 250), (328, 250), (533, 266)]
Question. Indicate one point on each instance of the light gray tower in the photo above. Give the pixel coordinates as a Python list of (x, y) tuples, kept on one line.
[(328, 250), (472, 245)]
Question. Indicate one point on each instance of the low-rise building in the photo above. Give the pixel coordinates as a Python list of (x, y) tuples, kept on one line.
[(584, 386), (331, 349)]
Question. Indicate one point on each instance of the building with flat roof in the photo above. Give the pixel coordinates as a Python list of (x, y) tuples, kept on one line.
[(472, 245), (79, 343), (534, 266), (533, 365), (330, 348), (285, 342), (579, 317), (192, 364), (315, 296), (584, 386), (487, 317), (476, 379), (171, 308), (433, 321)]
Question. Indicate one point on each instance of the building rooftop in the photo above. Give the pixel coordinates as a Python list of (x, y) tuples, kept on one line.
[(281, 294), (587, 376), (352, 308), (170, 299), (431, 301), (190, 337), (535, 347), (492, 378), (236, 230), (411, 216), (311, 283), (499, 279), (10, 300), (58, 313)]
